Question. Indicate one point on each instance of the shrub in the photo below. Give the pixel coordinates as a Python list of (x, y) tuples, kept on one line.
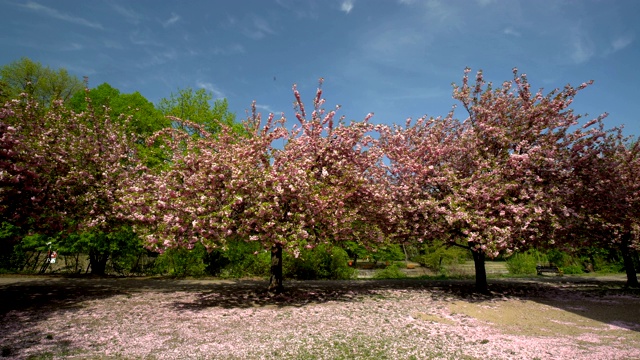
[(559, 258), (525, 263), (9, 238), (436, 257), (182, 262), (239, 259), (390, 272), (251, 265), (319, 263), (609, 267), (572, 269), (392, 252)]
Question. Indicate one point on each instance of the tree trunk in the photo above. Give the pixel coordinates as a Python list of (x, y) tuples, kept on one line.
[(98, 262), (45, 265), (481, 273), (275, 283), (632, 277), (36, 261)]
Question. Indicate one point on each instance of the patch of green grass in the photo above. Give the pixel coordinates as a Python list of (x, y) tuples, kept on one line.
[(390, 272)]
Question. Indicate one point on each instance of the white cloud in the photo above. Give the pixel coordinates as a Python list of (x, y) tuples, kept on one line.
[(347, 5), (582, 48), (258, 29), (62, 16), (72, 47), (262, 25), (217, 94), (621, 42), (302, 9), (485, 2), (229, 50), (443, 13), (265, 108), (111, 44), (143, 38), (172, 20), (131, 16), (511, 31)]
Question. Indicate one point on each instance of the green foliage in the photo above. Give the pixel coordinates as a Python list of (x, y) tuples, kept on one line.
[(145, 119), (26, 254), (572, 269), (248, 259), (9, 236), (42, 83), (438, 255), (319, 263), (389, 272), (601, 260), (391, 252), (355, 250), (195, 106), (141, 117), (181, 262), (565, 261), (610, 268), (121, 246), (4, 92), (559, 258), (524, 263), (240, 259)]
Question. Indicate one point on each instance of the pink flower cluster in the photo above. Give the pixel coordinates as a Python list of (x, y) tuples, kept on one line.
[(517, 172)]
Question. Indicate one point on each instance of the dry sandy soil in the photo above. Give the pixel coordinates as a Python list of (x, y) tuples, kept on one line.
[(152, 318)]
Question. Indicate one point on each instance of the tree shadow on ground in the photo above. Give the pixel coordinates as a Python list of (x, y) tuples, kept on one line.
[(31, 301), (607, 301), (596, 299), (34, 300)]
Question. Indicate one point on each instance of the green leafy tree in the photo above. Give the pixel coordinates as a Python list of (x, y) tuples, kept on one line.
[(138, 114), (144, 120), (120, 245), (195, 106), (40, 82), (4, 92)]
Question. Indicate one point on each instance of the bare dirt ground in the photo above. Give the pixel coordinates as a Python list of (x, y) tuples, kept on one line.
[(55, 317)]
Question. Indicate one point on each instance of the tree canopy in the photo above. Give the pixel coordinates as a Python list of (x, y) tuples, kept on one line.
[(141, 115), (520, 170), (195, 106), (40, 82)]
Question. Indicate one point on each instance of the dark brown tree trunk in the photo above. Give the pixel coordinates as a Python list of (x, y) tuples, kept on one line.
[(627, 257), (481, 273), (36, 261), (275, 283), (45, 265), (98, 262)]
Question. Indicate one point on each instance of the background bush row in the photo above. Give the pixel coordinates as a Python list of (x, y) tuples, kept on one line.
[(246, 259)]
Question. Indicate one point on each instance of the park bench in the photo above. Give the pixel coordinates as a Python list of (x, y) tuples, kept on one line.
[(548, 269)]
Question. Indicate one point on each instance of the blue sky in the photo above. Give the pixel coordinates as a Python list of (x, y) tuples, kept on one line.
[(396, 58)]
